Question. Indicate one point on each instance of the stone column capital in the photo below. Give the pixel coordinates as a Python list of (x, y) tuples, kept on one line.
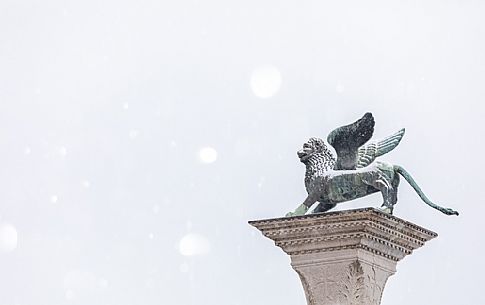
[(344, 257)]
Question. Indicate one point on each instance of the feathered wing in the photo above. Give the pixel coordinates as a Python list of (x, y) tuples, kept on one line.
[(347, 139), (369, 152)]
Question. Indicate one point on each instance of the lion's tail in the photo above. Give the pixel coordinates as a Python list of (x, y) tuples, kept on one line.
[(418, 190)]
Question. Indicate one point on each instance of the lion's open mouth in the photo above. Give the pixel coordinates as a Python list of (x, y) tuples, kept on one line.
[(302, 155)]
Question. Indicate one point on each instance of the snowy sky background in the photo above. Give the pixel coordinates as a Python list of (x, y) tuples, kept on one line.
[(137, 138)]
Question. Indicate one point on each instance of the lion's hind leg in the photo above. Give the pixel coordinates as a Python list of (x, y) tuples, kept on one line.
[(393, 191), (380, 182)]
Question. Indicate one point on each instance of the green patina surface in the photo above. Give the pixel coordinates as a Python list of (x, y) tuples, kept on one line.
[(354, 171)]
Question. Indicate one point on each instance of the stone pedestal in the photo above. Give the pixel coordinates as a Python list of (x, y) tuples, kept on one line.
[(344, 257)]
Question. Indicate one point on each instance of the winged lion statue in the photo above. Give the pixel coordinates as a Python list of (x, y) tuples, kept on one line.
[(351, 170)]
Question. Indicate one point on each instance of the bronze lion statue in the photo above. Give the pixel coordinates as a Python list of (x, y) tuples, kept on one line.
[(353, 171)]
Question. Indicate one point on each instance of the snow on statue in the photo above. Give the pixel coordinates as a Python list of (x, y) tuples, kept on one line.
[(354, 171)]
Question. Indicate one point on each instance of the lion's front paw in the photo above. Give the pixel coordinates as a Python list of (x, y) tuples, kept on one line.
[(300, 210)]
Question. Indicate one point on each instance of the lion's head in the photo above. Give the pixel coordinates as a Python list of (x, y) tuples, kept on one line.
[(311, 147)]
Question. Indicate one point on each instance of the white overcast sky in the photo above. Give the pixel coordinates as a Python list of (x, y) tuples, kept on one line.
[(137, 138)]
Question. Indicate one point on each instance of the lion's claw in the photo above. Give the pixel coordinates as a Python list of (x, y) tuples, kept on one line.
[(386, 210)]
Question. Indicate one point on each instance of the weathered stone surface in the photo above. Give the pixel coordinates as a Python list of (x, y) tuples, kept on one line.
[(344, 257)]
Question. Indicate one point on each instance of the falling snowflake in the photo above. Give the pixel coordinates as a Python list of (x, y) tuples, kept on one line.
[(8, 237), (194, 244), (62, 151), (133, 134), (208, 155), (265, 81), (86, 183)]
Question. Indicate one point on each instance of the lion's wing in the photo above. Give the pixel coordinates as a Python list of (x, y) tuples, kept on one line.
[(370, 151), (347, 139)]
